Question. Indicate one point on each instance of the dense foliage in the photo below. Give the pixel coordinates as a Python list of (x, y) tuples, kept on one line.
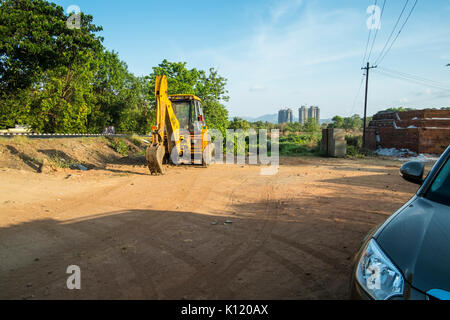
[(310, 126), (56, 79), (349, 123), (300, 144)]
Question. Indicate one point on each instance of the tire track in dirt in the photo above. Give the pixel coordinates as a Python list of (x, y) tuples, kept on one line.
[(126, 262), (198, 280), (312, 281), (227, 264), (115, 260), (90, 238), (325, 258), (135, 265)]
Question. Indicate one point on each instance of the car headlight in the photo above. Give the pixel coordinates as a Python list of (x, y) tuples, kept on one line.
[(377, 274)]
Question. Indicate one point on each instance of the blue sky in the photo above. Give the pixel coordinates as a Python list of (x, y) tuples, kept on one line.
[(285, 53)]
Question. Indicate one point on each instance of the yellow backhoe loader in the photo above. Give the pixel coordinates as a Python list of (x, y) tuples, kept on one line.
[(180, 135)]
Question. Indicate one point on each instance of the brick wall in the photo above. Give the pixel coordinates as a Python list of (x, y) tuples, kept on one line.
[(371, 139), (431, 135), (433, 140)]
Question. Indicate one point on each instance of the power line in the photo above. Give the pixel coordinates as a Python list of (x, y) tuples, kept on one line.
[(415, 80), (438, 96), (419, 78), (400, 31), (399, 77), (412, 80), (376, 32), (393, 30)]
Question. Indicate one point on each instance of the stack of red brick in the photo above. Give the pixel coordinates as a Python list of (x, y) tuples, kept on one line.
[(421, 131)]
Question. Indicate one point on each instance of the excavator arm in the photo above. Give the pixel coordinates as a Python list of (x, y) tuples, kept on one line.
[(166, 123)]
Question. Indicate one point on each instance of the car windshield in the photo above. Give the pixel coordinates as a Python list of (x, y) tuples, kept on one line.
[(182, 111), (440, 189)]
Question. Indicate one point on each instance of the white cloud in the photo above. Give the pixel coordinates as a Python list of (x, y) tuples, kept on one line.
[(283, 54), (257, 88), (301, 52), (280, 10)]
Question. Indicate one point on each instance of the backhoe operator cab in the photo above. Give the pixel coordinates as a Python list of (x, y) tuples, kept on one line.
[(188, 110)]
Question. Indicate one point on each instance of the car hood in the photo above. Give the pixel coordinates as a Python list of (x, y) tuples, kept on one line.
[(418, 241)]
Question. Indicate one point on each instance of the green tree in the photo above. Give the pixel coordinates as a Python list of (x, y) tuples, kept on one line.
[(63, 101), (258, 125), (216, 115), (209, 87), (399, 109), (337, 122), (294, 127), (238, 123), (14, 108), (311, 126), (354, 122), (138, 116), (349, 123), (121, 99), (46, 68), (34, 38), (62, 80)]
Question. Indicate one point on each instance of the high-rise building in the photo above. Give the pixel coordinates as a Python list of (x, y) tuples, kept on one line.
[(290, 116), (285, 116), (314, 113), (303, 115), (281, 117)]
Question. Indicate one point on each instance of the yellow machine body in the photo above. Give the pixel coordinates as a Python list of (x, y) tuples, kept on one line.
[(180, 129)]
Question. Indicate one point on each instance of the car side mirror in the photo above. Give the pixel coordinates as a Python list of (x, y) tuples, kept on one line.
[(413, 172)]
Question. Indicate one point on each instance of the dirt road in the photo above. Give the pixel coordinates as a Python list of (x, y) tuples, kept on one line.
[(135, 236)]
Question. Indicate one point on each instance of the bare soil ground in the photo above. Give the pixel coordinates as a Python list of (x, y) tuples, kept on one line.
[(135, 236)]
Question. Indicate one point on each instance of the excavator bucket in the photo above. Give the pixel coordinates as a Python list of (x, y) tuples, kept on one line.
[(155, 156)]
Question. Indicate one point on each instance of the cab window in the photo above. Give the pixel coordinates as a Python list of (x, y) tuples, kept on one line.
[(182, 110)]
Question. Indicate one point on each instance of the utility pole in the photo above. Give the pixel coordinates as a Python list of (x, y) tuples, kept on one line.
[(365, 101)]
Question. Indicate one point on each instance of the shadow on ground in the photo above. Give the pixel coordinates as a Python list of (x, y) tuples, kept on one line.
[(267, 250), (29, 161)]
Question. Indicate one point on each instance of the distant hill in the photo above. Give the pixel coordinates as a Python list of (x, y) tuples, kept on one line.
[(273, 118), (265, 118)]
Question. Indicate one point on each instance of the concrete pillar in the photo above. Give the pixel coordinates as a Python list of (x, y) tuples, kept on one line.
[(337, 145)]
